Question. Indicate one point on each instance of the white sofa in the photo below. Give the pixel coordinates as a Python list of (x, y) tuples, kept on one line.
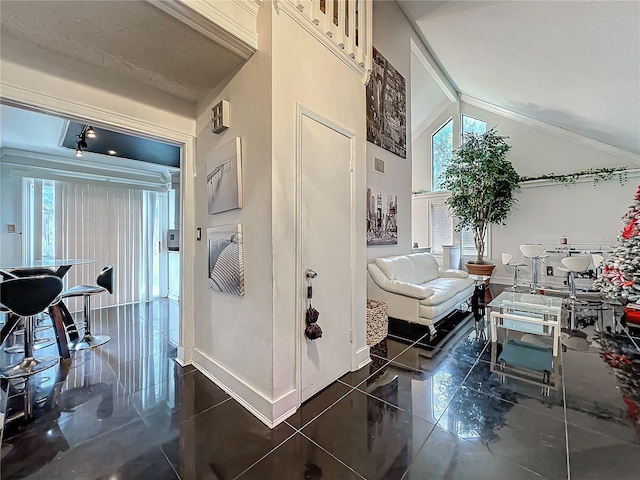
[(416, 289)]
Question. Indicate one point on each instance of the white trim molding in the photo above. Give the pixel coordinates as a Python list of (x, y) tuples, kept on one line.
[(361, 358), (268, 411), (548, 127), (231, 24), (432, 69)]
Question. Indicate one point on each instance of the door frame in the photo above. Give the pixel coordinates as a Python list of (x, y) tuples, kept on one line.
[(73, 109), (302, 112)]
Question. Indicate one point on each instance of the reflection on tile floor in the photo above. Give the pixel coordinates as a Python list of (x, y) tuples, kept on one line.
[(128, 411)]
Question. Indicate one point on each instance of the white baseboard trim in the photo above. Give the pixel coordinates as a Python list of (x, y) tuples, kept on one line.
[(502, 280), (270, 412), (362, 358), (184, 356)]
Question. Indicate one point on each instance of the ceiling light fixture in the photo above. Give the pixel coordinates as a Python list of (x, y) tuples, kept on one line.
[(87, 132), (112, 152)]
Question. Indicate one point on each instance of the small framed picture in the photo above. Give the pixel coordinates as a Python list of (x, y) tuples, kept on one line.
[(224, 177), (549, 271)]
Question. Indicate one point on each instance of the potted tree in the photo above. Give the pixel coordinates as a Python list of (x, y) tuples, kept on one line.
[(481, 181)]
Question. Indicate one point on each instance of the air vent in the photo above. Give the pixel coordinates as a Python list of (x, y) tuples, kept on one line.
[(378, 165)]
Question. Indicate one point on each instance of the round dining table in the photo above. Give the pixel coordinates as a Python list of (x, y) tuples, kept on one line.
[(60, 315)]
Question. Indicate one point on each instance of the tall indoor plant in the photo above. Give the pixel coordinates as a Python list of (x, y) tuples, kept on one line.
[(482, 182)]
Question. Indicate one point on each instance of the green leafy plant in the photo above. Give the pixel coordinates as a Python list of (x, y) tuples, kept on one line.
[(482, 182), (598, 174)]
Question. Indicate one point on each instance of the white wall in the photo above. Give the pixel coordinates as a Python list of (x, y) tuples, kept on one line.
[(233, 335), (583, 212), (306, 73), (10, 213), (392, 35)]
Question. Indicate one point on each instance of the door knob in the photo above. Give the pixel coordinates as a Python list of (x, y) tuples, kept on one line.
[(310, 273)]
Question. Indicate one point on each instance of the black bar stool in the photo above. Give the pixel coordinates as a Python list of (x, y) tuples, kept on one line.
[(104, 284), (26, 297), (38, 342)]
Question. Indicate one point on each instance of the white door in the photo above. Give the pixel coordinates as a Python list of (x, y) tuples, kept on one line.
[(326, 249)]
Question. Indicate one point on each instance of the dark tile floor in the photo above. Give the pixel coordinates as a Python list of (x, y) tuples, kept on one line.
[(128, 411)]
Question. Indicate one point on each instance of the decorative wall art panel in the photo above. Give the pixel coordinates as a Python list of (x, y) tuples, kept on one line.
[(387, 107), (382, 218), (226, 260), (224, 178)]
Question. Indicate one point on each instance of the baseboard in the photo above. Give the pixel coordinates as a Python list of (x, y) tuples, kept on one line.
[(184, 356), (362, 358), (502, 280), (270, 412)]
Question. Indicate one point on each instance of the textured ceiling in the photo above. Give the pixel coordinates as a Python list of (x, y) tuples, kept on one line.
[(571, 64), (130, 39)]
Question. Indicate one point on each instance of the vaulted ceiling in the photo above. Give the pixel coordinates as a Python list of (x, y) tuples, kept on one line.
[(575, 65)]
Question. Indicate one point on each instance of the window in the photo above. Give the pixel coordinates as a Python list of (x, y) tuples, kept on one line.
[(440, 225), (473, 125), (441, 153), (468, 244)]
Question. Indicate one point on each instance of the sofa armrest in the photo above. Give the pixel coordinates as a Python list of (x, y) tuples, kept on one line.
[(398, 287), (452, 273)]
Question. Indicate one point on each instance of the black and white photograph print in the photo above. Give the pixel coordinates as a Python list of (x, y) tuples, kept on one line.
[(382, 219), (226, 260), (224, 178), (387, 107)]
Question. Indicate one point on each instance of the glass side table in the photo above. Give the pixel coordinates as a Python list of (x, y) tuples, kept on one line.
[(525, 312)]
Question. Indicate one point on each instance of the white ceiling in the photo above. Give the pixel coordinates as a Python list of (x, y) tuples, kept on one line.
[(571, 64), (118, 45)]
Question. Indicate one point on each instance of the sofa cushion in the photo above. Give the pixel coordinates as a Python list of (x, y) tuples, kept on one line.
[(416, 268), (445, 288), (426, 265), (399, 268)]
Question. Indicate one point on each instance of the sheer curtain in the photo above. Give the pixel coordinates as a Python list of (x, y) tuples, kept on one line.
[(109, 225)]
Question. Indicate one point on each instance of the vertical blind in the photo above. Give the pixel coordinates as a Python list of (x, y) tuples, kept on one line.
[(110, 225)]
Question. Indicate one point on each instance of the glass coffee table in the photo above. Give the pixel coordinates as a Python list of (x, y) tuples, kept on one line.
[(526, 312)]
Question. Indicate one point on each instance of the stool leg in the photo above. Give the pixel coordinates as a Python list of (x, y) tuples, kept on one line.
[(29, 365), (515, 278), (534, 275), (88, 340)]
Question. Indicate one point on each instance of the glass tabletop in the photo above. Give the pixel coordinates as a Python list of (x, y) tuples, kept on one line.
[(527, 302), (52, 262)]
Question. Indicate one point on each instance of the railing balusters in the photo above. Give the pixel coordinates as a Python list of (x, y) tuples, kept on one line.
[(352, 33)]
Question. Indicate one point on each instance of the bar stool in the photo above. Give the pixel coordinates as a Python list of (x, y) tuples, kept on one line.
[(534, 251), (38, 343), (26, 297), (104, 284), (576, 264), (507, 261)]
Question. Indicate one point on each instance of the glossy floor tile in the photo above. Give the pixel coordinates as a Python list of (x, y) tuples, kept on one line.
[(129, 411)]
